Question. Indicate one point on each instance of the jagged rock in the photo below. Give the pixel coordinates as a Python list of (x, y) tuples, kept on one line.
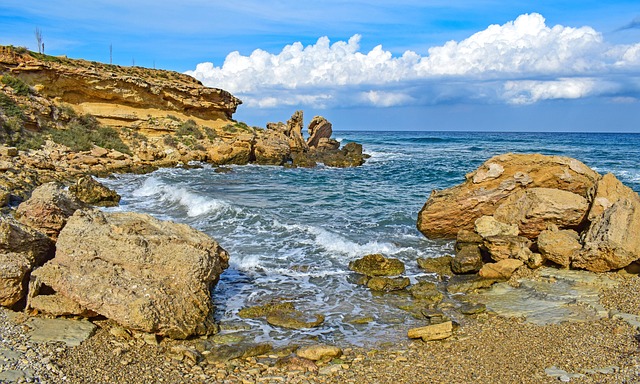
[(296, 141), (238, 151), (319, 352), (325, 144), (448, 211), (377, 265), (49, 208), (610, 242), (607, 192), (319, 128), (487, 226), (468, 259), (534, 209), (272, 146), (559, 246), (508, 247), (432, 332), (440, 265), (89, 191), (348, 156), (145, 274), (501, 270), (387, 284), (302, 160), (21, 249)]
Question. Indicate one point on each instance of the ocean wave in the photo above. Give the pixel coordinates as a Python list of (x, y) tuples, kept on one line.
[(194, 204)]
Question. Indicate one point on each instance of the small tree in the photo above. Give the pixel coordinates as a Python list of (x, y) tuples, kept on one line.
[(39, 39)]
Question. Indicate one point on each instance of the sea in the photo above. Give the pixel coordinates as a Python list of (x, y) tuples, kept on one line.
[(291, 233)]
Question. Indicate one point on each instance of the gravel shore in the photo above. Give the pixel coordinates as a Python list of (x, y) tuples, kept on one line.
[(488, 349)]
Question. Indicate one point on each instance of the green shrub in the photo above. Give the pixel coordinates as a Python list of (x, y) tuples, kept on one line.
[(171, 117), (9, 107), (211, 133), (190, 128), (17, 84), (83, 132), (169, 140), (13, 134)]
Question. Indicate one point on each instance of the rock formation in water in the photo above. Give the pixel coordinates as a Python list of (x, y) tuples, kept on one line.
[(536, 208)]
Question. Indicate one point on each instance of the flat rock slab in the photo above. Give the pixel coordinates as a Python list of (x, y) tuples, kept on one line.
[(557, 296), (71, 332)]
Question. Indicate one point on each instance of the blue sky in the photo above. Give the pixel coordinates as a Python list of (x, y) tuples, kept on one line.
[(403, 64)]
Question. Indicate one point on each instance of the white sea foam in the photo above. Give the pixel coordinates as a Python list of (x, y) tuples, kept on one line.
[(195, 204)]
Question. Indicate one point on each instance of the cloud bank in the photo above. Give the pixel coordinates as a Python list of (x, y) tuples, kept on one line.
[(520, 62)]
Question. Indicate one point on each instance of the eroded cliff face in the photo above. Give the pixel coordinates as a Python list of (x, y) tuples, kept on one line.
[(117, 96)]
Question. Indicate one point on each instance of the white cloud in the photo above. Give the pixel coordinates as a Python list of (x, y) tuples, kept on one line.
[(519, 62)]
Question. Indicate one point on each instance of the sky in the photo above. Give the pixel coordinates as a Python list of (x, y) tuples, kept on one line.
[(463, 65)]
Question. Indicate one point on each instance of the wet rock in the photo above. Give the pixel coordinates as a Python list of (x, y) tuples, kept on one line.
[(263, 310), (432, 332), (559, 246), (440, 265), (388, 284), (377, 265), (468, 259), (91, 192), (49, 208), (145, 274), (472, 309), (448, 211), (468, 283), (294, 319), (348, 156), (426, 292), (434, 316), (319, 352), (502, 270), (533, 209)]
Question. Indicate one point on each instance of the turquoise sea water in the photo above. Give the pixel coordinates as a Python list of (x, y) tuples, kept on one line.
[(292, 232)]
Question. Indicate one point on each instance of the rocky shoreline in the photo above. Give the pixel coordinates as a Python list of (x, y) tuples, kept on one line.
[(145, 285)]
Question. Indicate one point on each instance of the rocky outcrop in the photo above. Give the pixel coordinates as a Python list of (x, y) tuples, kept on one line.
[(553, 205), (49, 208), (319, 128), (91, 192), (448, 211), (145, 274), (377, 265), (21, 250)]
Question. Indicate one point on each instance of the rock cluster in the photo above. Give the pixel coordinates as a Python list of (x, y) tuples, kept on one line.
[(519, 209)]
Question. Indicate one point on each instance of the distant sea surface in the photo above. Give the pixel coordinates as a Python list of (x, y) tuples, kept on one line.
[(291, 233)]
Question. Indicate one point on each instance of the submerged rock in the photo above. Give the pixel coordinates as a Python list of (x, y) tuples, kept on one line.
[(145, 274), (387, 284), (294, 319)]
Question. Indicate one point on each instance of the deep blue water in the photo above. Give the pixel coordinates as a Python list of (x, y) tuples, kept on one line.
[(292, 232)]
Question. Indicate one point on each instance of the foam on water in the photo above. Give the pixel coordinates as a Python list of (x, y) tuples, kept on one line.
[(291, 233)]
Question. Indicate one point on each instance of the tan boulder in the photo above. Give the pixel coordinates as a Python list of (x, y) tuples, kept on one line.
[(146, 274), (508, 247), (468, 259), (611, 241), (237, 151), (319, 128), (607, 192), (534, 209), (319, 352), (272, 146), (559, 246), (448, 211), (503, 269), (487, 226), (49, 208), (21, 249), (432, 332)]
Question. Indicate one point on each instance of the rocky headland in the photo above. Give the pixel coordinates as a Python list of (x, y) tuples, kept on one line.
[(93, 296)]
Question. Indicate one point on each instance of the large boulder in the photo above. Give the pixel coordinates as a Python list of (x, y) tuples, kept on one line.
[(146, 274), (237, 151), (21, 249), (448, 211), (534, 209), (49, 208), (272, 145), (377, 265)]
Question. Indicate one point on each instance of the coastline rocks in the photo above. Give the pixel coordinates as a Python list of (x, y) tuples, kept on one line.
[(49, 208), (508, 247), (439, 265), (487, 226), (387, 284), (145, 274), (432, 332), (21, 249), (319, 352), (502, 270), (294, 319), (319, 128), (377, 265), (91, 192), (533, 209), (468, 259), (559, 246), (448, 211)]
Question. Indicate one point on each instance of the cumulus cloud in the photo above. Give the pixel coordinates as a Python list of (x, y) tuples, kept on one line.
[(520, 62)]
